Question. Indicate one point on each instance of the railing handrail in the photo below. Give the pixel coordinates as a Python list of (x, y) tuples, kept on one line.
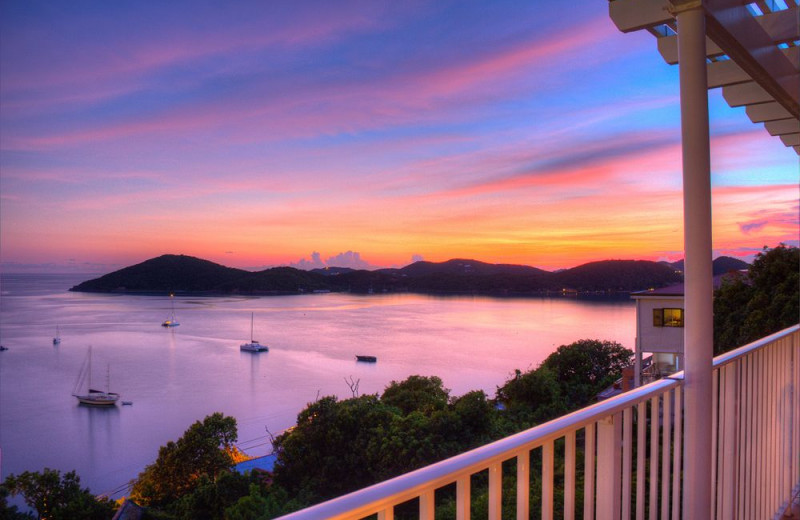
[(441, 473), (733, 355)]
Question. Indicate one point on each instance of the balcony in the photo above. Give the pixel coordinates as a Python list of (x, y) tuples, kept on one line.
[(623, 457)]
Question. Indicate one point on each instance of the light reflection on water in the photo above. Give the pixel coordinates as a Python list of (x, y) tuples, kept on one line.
[(177, 376)]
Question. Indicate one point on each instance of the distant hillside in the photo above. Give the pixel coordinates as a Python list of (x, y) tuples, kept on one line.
[(467, 267), (170, 273), (186, 274), (721, 265), (618, 275)]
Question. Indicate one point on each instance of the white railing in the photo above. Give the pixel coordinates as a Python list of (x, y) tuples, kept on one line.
[(621, 458)]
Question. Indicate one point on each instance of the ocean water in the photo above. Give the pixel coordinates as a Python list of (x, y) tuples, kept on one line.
[(179, 375)]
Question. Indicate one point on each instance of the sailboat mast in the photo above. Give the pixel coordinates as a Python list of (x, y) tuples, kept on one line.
[(251, 327), (90, 368)]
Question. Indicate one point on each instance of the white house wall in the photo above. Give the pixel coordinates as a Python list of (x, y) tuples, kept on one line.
[(658, 339)]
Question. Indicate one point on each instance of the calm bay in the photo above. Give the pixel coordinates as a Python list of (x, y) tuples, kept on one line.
[(175, 376)]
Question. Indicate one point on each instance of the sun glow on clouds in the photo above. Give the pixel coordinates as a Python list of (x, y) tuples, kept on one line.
[(362, 131)]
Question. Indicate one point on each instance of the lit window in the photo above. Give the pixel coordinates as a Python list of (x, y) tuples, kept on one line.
[(667, 317)]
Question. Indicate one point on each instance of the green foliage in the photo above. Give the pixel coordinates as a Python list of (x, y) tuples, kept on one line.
[(261, 505), (570, 378), (417, 393), (327, 451), (180, 465), (10, 512), (340, 446), (533, 397), (586, 367), (210, 498), (764, 301), (55, 497)]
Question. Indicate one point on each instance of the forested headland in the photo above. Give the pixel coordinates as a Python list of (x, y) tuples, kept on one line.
[(180, 274)]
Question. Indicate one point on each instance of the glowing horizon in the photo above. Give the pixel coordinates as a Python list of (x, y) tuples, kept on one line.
[(368, 133)]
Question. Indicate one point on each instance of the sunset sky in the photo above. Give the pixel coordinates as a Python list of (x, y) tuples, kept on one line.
[(365, 134)]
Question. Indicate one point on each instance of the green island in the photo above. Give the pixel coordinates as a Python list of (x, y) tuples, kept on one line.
[(180, 274)]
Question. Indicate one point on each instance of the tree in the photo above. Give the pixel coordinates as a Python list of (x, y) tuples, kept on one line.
[(210, 498), (570, 377), (200, 452), (339, 446), (10, 512), (532, 397), (328, 452), (58, 498), (416, 393), (764, 301), (586, 367)]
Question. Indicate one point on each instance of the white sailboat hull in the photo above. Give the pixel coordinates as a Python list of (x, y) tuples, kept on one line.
[(98, 398)]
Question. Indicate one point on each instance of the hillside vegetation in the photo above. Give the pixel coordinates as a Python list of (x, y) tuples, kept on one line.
[(186, 274)]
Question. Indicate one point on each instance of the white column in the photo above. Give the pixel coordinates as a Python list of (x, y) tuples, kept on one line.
[(698, 330)]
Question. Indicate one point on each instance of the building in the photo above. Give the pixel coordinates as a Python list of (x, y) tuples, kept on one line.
[(659, 333)]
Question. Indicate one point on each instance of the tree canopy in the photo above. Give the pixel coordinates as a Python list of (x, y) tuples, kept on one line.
[(55, 497), (568, 379), (764, 301), (200, 452)]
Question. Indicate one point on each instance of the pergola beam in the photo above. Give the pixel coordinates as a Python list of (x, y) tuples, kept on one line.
[(744, 94), (744, 57), (767, 112), (783, 127), (731, 26)]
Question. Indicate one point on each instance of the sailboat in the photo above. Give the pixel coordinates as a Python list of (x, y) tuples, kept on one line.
[(57, 338), (93, 396), (254, 345), (171, 321)]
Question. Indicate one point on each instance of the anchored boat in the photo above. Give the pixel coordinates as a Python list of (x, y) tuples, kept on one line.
[(254, 345), (93, 396)]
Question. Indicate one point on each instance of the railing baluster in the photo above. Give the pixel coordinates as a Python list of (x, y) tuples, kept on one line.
[(677, 456), (427, 505), (729, 453), (773, 426), (463, 500), (569, 476), (524, 484), (386, 514), (641, 453), (609, 434), (548, 454), (666, 433), (627, 456), (588, 464), (758, 446), (750, 461), (654, 423), (495, 491), (716, 447)]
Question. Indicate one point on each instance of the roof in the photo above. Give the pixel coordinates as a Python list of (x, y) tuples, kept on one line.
[(129, 510), (678, 288), (265, 463), (753, 53), (671, 290)]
